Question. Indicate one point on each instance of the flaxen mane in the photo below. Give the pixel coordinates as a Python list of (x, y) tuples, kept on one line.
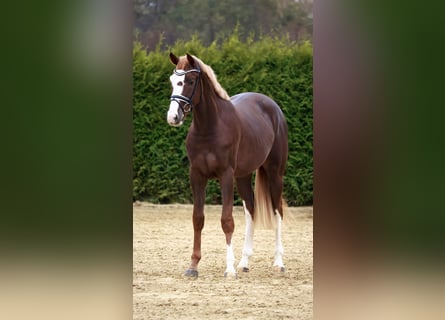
[(220, 91)]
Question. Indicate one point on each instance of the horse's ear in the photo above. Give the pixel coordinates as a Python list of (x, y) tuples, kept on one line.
[(174, 59), (191, 60)]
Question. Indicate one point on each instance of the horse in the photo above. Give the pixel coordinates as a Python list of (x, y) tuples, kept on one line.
[(229, 139)]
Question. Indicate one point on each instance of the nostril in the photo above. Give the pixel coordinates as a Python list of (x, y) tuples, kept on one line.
[(175, 118)]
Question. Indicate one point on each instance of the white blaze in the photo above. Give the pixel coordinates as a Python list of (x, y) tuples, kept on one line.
[(178, 85)]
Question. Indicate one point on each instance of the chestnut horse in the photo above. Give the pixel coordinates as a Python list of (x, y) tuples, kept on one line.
[(229, 138)]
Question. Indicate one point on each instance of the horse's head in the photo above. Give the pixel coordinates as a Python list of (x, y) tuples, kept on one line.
[(184, 80)]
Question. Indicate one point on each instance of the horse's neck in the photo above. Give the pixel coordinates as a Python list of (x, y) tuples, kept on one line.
[(206, 114)]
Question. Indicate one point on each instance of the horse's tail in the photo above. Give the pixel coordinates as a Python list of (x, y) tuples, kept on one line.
[(264, 215)]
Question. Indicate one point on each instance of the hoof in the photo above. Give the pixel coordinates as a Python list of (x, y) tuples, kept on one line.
[(245, 269), (280, 269), (190, 273), (230, 275)]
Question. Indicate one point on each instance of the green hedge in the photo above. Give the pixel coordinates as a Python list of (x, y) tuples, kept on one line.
[(276, 67)]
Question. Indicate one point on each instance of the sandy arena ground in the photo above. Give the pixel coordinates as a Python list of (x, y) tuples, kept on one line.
[(162, 245)]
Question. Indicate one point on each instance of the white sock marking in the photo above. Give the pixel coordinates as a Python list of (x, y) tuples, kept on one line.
[(279, 251), (230, 260), (248, 239)]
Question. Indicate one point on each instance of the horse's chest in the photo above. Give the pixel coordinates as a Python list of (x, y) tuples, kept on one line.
[(207, 162), (210, 154)]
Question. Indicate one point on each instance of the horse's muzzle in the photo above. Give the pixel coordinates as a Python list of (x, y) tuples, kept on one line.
[(175, 123), (175, 118)]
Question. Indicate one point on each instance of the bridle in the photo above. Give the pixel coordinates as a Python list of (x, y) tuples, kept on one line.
[(188, 104)]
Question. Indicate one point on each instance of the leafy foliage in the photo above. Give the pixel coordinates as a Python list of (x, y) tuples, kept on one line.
[(277, 67), (178, 19)]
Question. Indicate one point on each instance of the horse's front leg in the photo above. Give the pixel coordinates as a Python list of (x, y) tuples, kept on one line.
[(227, 223), (198, 183)]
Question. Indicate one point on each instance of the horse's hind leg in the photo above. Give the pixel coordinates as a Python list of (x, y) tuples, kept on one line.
[(275, 167), (244, 186), (276, 190)]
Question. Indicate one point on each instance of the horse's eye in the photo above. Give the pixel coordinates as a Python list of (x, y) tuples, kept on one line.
[(180, 83)]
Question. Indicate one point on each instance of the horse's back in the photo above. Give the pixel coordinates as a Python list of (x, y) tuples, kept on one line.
[(263, 128), (252, 105), (256, 108)]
